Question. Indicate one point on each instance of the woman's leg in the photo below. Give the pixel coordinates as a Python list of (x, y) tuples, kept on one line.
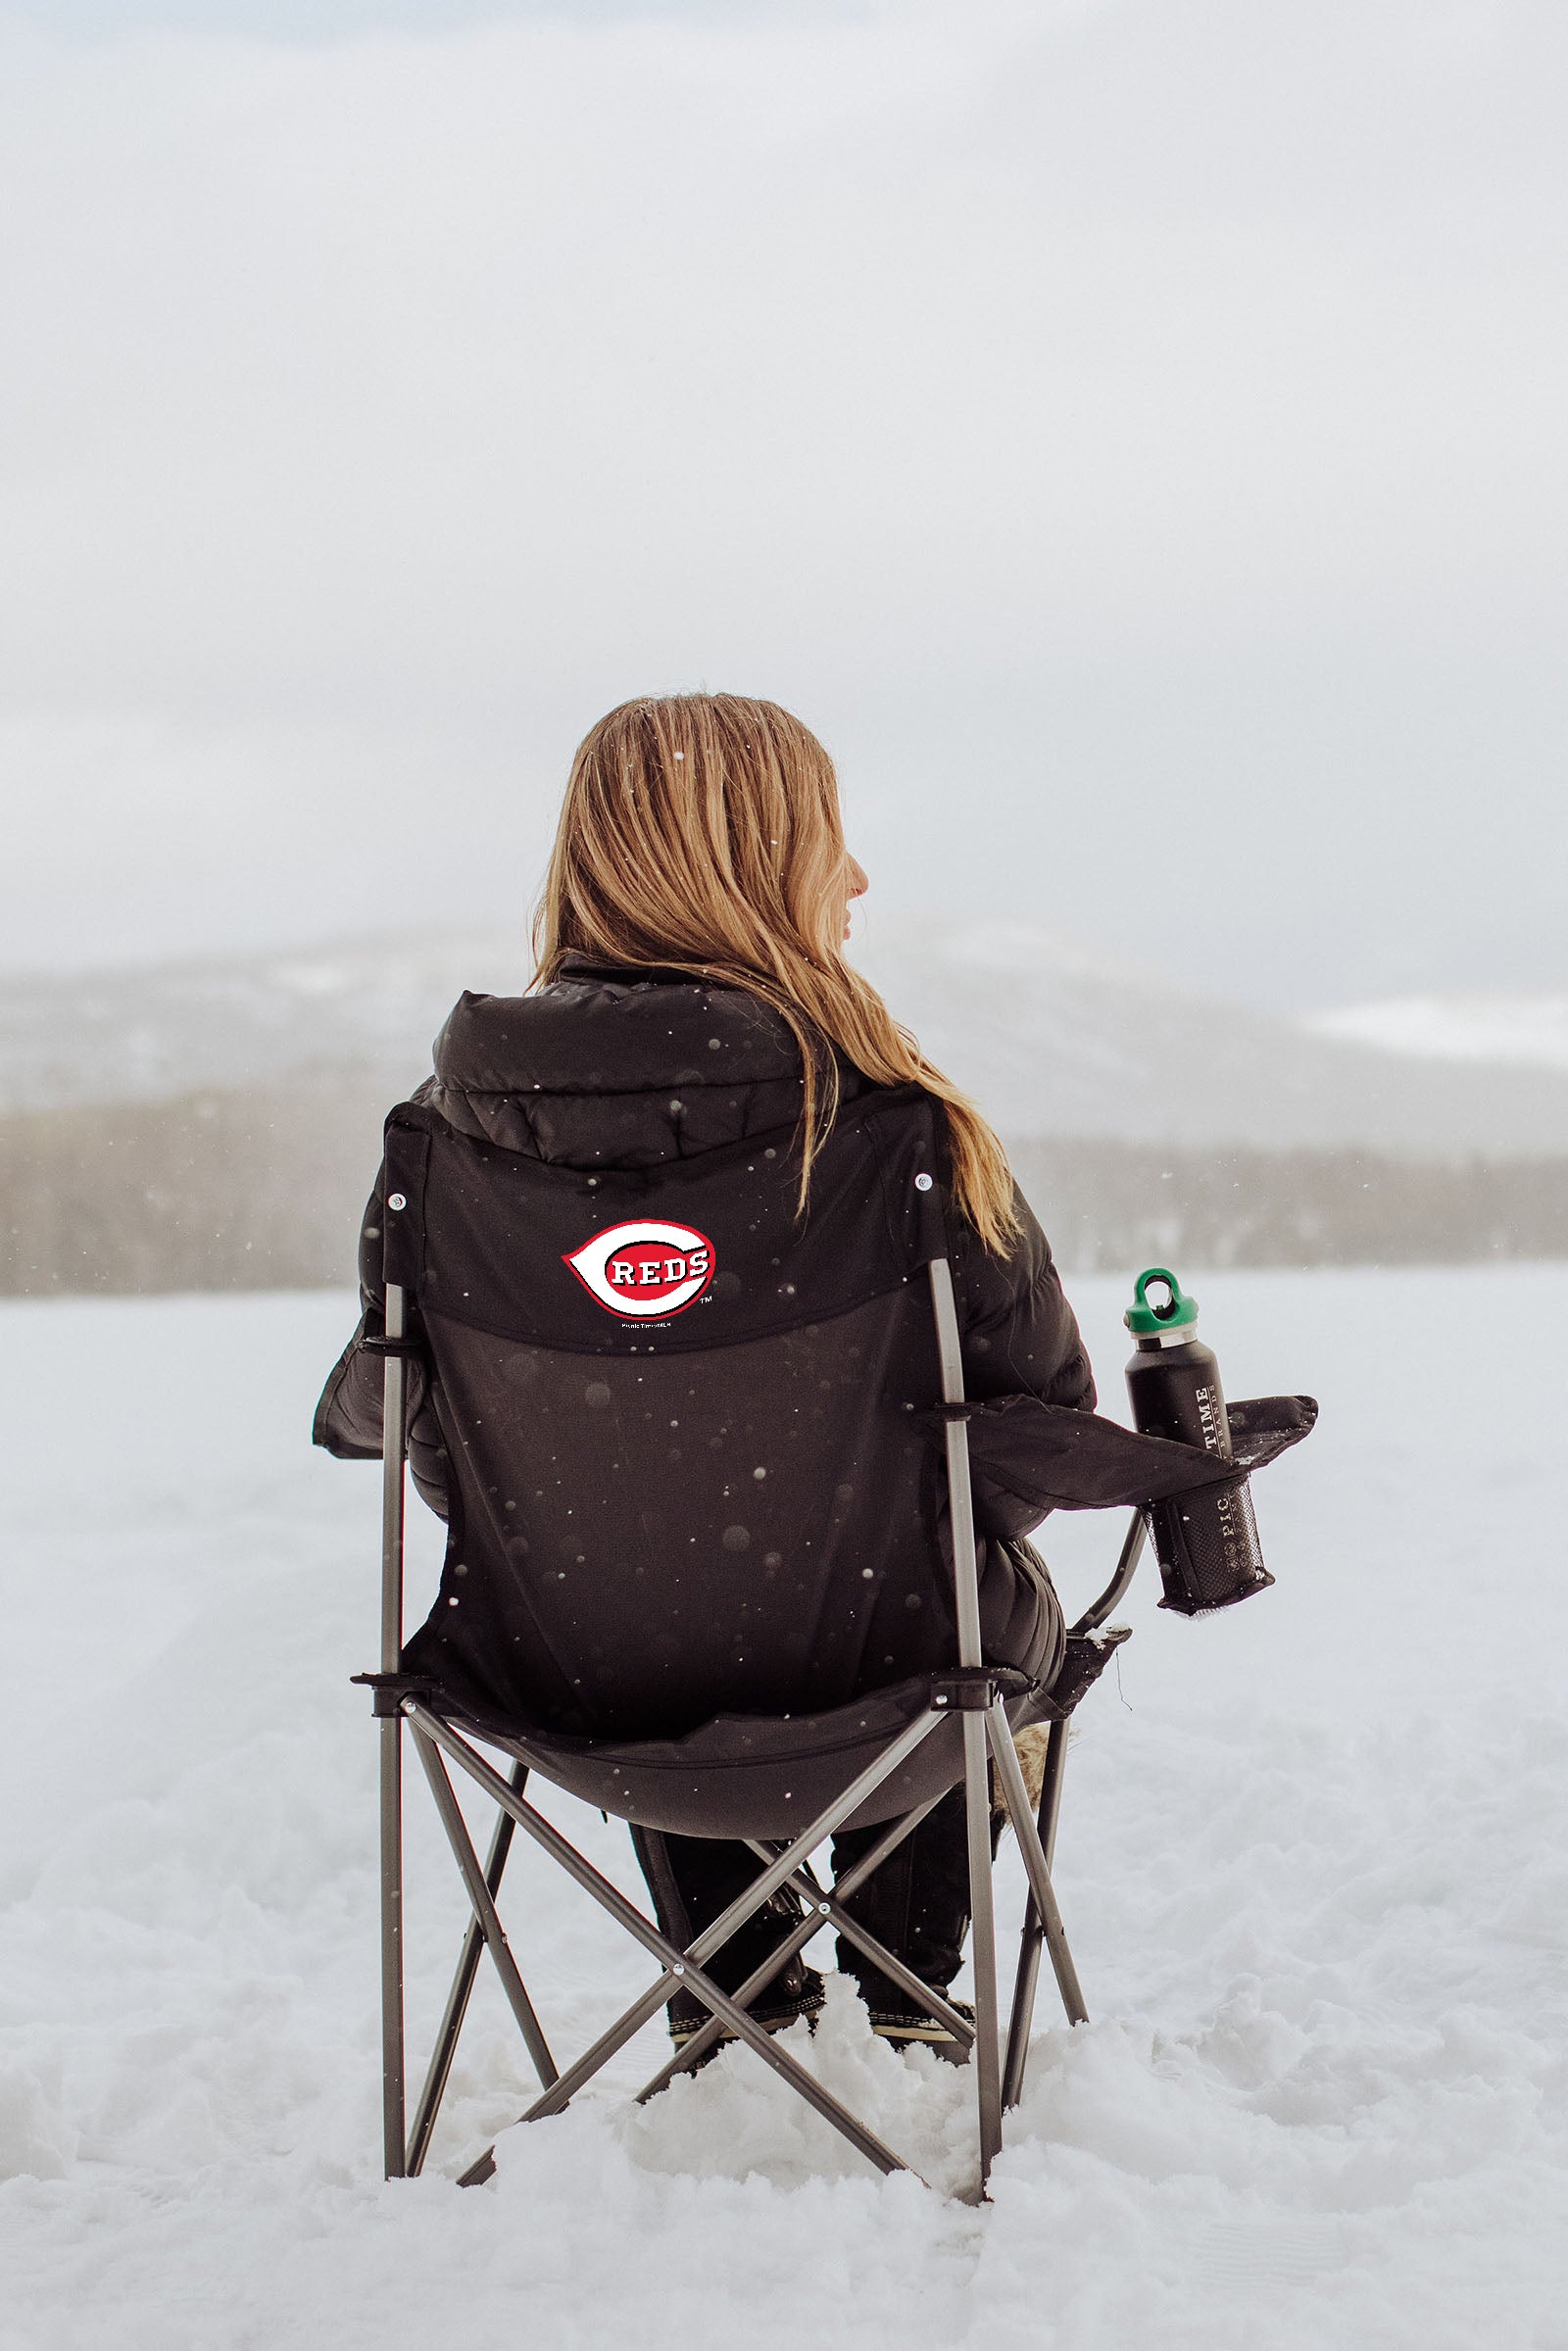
[(918, 1903)]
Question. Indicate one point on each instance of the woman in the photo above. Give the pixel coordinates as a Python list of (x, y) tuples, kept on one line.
[(698, 899)]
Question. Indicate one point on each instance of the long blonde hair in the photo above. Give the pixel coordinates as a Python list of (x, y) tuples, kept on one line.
[(702, 832)]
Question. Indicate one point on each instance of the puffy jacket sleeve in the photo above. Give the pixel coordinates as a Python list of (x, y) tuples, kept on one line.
[(1018, 1331), (348, 1417)]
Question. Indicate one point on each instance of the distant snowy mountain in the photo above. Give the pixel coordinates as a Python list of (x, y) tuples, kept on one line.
[(147, 1035), (1520, 1031), (1054, 1042)]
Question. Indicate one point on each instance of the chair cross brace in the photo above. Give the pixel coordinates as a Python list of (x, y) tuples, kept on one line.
[(828, 1904), (788, 1865), (682, 1968), (820, 1912)]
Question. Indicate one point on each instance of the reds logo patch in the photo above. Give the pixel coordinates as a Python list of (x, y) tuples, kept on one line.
[(644, 1269)]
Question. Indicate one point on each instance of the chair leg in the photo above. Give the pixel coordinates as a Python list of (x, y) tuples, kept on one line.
[(392, 2056), (445, 2046), (1032, 1939), (462, 1982), (484, 1910), (1011, 1780), (394, 1399), (983, 1927)]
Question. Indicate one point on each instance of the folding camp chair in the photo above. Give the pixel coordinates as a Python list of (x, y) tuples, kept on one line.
[(558, 1315)]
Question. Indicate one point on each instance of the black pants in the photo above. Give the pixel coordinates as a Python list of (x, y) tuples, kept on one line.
[(917, 1902)]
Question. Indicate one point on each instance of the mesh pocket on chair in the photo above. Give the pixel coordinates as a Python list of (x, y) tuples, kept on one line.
[(1208, 1546)]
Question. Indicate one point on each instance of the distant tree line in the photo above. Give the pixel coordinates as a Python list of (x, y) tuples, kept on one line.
[(1108, 1205), (262, 1190), (211, 1190)]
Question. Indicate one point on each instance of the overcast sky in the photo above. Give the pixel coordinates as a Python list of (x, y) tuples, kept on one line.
[(1130, 432)]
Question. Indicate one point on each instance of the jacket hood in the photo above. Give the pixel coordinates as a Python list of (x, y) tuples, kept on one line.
[(618, 1068), (599, 1032)]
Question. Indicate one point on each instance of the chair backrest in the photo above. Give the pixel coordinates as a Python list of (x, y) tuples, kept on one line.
[(686, 1474)]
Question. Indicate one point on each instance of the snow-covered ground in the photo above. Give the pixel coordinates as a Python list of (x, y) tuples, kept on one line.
[(1311, 1862)]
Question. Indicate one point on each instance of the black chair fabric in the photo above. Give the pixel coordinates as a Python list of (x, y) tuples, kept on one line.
[(1028, 1458), (709, 1493), (762, 1776)]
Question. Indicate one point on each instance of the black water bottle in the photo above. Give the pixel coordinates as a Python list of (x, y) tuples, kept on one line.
[(1205, 1541)]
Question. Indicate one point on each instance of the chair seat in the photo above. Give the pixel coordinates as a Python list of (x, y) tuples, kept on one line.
[(746, 1775), (764, 1776)]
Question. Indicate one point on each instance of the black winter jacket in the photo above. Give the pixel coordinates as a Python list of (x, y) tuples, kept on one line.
[(629, 1068)]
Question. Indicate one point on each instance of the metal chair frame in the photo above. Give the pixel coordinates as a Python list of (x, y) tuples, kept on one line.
[(987, 1738)]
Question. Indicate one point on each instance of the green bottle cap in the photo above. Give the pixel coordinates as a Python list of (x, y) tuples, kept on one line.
[(1178, 1312)]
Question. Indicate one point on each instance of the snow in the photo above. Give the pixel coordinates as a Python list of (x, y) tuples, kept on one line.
[(1310, 1861), (1525, 1031)]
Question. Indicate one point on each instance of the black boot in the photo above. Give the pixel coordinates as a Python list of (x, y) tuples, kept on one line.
[(693, 1880)]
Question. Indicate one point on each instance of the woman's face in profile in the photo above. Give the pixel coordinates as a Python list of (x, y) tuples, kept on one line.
[(857, 882)]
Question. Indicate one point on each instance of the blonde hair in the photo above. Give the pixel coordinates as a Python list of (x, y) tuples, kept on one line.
[(702, 832)]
